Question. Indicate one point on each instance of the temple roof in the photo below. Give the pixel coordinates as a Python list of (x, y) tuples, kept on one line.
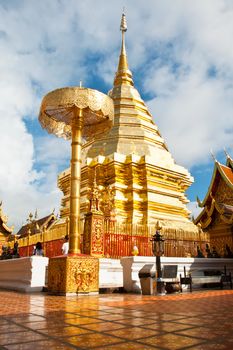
[(226, 209), (36, 226), (210, 204), (228, 174), (220, 171), (229, 162)]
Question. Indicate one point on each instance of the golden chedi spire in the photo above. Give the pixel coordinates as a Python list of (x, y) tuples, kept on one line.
[(133, 158), (134, 131), (123, 74)]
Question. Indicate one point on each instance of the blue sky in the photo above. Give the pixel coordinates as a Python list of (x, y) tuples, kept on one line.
[(181, 56)]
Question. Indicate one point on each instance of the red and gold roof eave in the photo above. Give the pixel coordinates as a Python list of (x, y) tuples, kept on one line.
[(201, 218), (209, 204), (206, 216), (226, 174)]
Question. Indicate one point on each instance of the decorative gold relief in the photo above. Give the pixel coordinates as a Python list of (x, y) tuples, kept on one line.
[(97, 244), (223, 195), (73, 274), (93, 236)]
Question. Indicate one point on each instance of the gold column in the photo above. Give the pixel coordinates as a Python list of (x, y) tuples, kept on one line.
[(76, 145)]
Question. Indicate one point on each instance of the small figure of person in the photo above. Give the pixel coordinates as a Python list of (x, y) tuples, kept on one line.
[(65, 246), (4, 248), (228, 253), (215, 253), (9, 253), (199, 253), (16, 250), (208, 252), (38, 249)]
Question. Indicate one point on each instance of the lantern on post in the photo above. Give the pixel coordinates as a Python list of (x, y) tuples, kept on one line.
[(158, 250)]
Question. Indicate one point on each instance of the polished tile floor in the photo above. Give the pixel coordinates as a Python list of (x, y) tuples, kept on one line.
[(201, 320)]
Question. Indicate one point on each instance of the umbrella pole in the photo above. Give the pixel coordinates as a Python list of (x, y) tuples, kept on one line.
[(75, 180)]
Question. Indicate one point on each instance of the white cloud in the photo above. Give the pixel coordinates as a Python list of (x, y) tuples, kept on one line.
[(195, 210), (181, 51), (192, 82)]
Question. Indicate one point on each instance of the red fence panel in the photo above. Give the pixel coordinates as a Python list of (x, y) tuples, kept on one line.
[(51, 248), (118, 245)]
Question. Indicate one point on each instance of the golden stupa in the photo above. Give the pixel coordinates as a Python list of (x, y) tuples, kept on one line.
[(132, 162), (129, 184)]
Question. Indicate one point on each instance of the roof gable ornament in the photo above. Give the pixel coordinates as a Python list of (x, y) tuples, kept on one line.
[(213, 155), (229, 160), (226, 153)]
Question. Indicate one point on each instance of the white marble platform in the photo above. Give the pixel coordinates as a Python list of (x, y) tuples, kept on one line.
[(29, 274), (111, 273), (23, 274), (132, 265)]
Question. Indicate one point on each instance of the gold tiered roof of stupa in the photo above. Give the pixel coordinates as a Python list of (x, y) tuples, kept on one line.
[(134, 160), (134, 131)]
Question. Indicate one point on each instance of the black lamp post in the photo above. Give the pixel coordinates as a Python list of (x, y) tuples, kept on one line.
[(158, 250)]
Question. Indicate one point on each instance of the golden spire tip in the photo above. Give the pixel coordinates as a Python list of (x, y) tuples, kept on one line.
[(123, 75), (123, 26)]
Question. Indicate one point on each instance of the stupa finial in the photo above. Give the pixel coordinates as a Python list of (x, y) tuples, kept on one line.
[(123, 26), (123, 74)]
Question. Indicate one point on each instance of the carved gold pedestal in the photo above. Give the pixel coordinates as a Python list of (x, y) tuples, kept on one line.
[(73, 274), (93, 235)]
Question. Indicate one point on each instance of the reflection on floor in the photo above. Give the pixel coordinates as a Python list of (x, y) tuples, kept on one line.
[(201, 320)]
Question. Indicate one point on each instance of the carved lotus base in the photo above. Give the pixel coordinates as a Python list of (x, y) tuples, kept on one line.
[(75, 274)]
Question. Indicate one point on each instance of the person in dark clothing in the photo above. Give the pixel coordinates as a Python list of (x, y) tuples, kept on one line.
[(38, 249)]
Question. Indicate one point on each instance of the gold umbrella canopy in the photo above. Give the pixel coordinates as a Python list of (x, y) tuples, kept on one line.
[(59, 109)]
